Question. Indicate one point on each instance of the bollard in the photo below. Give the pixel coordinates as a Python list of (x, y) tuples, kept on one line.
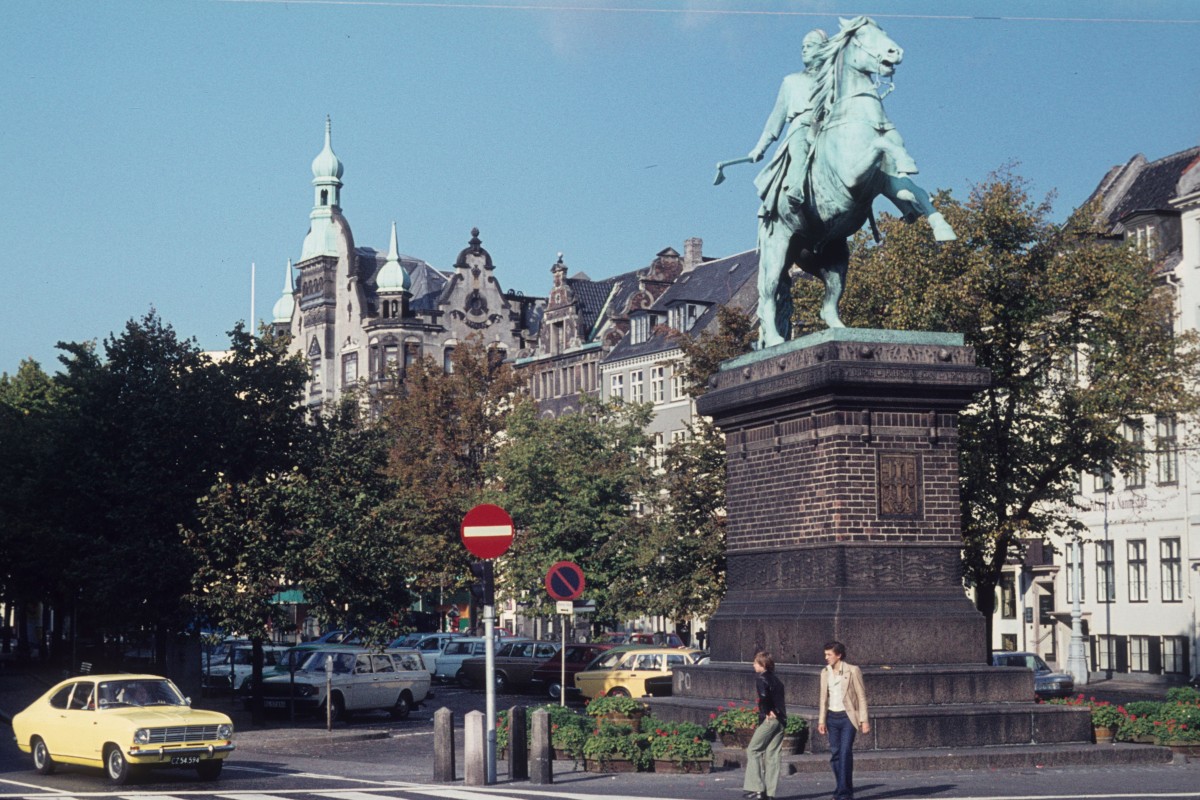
[(518, 745), (443, 746), (474, 755), (541, 761)]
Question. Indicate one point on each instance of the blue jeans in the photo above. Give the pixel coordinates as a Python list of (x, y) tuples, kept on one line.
[(841, 753)]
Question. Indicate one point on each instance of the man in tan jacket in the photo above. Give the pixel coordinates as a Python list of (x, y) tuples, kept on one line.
[(843, 712)]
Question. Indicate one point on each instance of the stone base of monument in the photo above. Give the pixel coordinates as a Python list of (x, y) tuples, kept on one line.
[(844, 523), (913, 707)]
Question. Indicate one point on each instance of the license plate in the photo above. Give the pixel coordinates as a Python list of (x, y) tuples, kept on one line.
[(274, 703), (185, 760)]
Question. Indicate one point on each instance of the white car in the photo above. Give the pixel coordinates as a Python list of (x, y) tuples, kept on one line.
[(234, 667), (360, 680), (431, 647)]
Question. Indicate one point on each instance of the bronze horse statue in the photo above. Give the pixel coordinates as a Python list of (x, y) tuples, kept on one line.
[(854, 155)]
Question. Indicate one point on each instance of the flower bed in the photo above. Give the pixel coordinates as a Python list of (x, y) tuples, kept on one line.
[(1175, 722)]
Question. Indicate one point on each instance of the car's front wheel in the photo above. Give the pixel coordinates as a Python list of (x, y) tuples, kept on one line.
[(42, 761), (210, 770), (117, 766)]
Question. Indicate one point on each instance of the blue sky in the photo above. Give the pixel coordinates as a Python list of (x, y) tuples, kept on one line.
[(153, 150)]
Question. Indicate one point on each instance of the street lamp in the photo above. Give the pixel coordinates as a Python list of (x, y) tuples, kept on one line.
[(1108, 587), (1077, 652)]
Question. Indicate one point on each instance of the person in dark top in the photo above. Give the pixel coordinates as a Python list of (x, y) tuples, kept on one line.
[(766, 746)]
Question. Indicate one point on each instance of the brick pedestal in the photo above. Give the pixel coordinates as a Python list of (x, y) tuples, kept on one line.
[(843, 499), (844, 523)]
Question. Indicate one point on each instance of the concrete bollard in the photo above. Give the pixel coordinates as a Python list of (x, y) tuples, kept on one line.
[(443, 746), (518, 745), (474, 754), (541, 760)]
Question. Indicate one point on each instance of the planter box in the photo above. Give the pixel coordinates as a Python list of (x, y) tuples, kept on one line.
[(609, 765), (669, 767), (793, 743), (633, 720), (739, 738)]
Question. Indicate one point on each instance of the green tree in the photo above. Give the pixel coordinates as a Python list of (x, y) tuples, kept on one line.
[(734, 335), (443, 429), (1076, 334), (570, 484), (30, 570)]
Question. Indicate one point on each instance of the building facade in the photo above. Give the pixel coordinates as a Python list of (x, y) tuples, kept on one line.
[(1140, 571), (361, 316)]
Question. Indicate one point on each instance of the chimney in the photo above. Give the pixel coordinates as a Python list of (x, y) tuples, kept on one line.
[(693, 253)]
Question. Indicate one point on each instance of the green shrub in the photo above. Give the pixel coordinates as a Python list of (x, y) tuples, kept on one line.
[(795, 724), (599, 706), (614, 742), (679, 742), (1183, 694), (733, 718), (1178, 723)]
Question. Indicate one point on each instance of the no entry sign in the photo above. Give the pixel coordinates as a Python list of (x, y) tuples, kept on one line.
[(564, 581), (487, 531)]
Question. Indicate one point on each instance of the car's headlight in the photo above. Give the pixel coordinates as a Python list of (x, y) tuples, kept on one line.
[(224, 731), (141, 736)]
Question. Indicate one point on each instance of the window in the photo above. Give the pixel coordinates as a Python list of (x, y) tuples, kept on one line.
[(1139, 653), (448, 361), (1135, 434), (641, 328), (412, 354), (1008, 596), (677, 392), (1106, 590), (1174, 655), (1102, 482), (1171, 571), (1137, 571), (1164, 449), (1008, 641), (1106, 652), (660, 449), (391, 358), (616, 387), (349, 369), (636, 389), (1071, 574), (658, 383)]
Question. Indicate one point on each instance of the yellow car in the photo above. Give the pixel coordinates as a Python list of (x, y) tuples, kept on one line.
[(122, 723), (624, 674)]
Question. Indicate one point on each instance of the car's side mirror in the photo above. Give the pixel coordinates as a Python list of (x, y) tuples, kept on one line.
[(187, 701)]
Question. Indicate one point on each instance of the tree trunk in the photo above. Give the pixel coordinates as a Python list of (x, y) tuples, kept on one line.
[(985, 601)]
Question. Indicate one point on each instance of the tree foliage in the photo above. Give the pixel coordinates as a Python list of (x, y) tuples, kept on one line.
[(1077, 335), (443, 429), (570, 484)]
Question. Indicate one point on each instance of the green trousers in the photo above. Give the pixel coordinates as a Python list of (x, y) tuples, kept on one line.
[(763, 756)]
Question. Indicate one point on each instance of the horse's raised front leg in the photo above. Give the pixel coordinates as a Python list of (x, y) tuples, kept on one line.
[(772, 257), (913, 201)]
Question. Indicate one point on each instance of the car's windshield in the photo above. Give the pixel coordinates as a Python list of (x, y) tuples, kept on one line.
[(139, 692)]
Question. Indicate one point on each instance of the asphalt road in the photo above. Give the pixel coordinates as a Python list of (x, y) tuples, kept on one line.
[(373, 758)]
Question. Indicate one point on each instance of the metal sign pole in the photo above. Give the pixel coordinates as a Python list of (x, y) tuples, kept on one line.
[(489, 679), (562, 683)]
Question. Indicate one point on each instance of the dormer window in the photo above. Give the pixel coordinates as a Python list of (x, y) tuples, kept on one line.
[(324, 197), (641, 328), (684, 316)]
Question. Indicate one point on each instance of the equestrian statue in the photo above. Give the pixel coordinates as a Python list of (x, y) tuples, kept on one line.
[(840, 152)]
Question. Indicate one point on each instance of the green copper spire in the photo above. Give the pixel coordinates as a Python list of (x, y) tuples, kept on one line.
[(327, 184), (285, 306), (392, 276)]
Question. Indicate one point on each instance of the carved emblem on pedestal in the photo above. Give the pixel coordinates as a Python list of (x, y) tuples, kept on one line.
[(899, 486)]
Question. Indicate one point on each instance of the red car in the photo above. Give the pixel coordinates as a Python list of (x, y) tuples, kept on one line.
[(548, 675)]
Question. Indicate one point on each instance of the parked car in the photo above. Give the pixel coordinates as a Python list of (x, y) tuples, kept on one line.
[(362, 680), (514, 664), (627, 677), (456, 651), (1046, 682), (653, 639), (233, 670), (122, 724), (548, 676), (430, 645)]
